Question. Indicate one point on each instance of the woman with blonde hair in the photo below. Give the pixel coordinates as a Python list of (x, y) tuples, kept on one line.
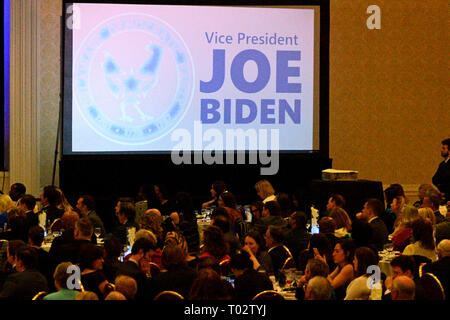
[(6, 204), (403, 232), (428, 214), (265, 191)]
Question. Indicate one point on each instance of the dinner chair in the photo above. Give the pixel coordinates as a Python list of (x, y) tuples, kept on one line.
[(56, 225), (268, 295), (109, 287), (168, 295), (154, 269), (224, 267), (289, 263), (432, 287), (40, 295)]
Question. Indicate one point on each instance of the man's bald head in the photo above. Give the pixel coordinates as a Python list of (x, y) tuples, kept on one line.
[(443, 248), (403, 288)]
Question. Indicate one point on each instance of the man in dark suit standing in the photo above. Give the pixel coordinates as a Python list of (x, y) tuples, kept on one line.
[(142, 249), (372, 211), (441, 267), (27, 281), (441, 178)]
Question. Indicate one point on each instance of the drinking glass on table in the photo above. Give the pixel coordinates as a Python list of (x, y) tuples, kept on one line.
[(98, 232)]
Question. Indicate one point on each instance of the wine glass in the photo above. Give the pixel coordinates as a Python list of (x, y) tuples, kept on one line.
[(98, 232)]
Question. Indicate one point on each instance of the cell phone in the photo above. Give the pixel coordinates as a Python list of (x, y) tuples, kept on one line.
[(230, 281), (248, 214)]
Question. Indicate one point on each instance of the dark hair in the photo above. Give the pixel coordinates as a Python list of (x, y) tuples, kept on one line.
[(14, 246), (258, 204), (163, 190), (144, 244), (276, 233), (28, 256), (89, 252), (88, 201), (423, 232), (173, 256), (29, 201), (223, 222), (273, 207), (229, 200), (446, 142), (361, 233), (338, 199), (404, 262), (219, 187), (376, 205), (240, 260), (348, 246), (184, 206), (214, 242), (327, 225), (208, 262), (209, 286), (17, 191), (393, 191), (128, 209), (113, 247), (52, 195), (366, 257), (284, 201), (36, 235), (258, 237), (300, 219)]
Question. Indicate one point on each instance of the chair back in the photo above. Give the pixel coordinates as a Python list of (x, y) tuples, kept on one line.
[(268, 295), (109, 287), (168, 295), (154, 269), (224, 267), (289, 263), (56, 225), (432, 287), (40, 295)]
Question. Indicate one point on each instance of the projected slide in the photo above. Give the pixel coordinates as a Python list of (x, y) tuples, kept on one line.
[(149, 78)]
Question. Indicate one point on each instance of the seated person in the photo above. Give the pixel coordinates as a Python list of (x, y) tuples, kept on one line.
[(403, 232), (341, 277), (248, 282), (142, 249), (314, 267), (221, 219), (256, 247), (179, 277), (358, 289), (126, 214), (403, 265), (327, 226), (45, 265), (27, 281), (277, 251), (271, 216), (297, 238), (61, 277), (320, 243), (343, 223), (214, 244), (127, 286), (208, 285), (318, 288), (91, 265), (423, 240), (441, 267)]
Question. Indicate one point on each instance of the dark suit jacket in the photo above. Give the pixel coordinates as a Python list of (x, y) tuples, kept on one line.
[(278, 256), (23, 285), (441, 269), (179, 279), (121, 231), (296, 240), (250, 284), (131, 269), (69, 252), (441, 178), (379, 233)]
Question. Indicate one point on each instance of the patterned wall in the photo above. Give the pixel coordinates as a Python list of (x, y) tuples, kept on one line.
[(388, 97)]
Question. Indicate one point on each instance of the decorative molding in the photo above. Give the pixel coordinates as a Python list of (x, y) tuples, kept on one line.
[(24, 107)]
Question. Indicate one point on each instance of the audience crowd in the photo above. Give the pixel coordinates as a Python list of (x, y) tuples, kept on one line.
[(156, 246)]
